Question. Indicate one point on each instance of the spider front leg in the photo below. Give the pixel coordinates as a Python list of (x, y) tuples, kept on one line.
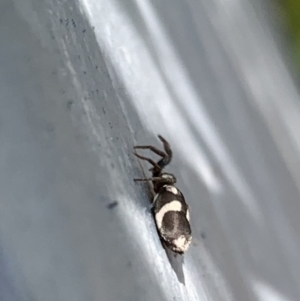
[(154, 179), (152, 148), (166, 156), (167, 146), (155, 165), (164, 179)]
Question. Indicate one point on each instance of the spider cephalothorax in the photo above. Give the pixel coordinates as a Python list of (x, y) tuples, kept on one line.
[(170, 210)]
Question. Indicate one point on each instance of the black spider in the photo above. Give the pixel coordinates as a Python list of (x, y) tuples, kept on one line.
[(170, 210)]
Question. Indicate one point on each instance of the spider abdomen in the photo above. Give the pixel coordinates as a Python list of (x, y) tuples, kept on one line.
[(171, 215)]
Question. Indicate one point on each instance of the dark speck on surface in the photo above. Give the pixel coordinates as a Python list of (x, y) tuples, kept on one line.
[(203, 235), (84, 30), (129, 264), (69, 104), (112, 205)]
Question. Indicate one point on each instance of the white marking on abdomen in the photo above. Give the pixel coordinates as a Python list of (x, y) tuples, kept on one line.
[(172, 189), (172, 206), (182, 243), (188, 214)]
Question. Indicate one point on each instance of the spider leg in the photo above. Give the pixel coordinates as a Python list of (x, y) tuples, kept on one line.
[(157, 180), (167, 146), (152, 148), (155, 165), (154, 179), (168, 157)]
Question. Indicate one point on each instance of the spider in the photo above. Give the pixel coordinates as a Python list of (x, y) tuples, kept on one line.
[(171, 212)]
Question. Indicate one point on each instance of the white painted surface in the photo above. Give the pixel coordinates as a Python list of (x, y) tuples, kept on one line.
[(208, 76)]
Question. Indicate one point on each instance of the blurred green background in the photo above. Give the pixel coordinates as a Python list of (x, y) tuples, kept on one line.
[(290, 15)]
